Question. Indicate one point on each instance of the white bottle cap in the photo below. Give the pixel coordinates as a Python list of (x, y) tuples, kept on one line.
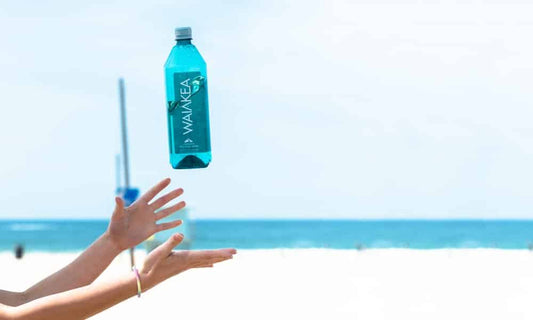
[(183, 33)]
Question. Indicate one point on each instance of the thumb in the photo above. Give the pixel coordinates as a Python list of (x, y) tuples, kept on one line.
[(163, 250), (119, 207)]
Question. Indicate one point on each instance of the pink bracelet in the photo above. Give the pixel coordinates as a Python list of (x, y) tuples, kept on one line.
[(138, 281)]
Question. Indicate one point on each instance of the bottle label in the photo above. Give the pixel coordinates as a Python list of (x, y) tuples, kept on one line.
[(188, 114)]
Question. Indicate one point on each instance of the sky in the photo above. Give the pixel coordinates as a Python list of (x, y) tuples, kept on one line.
[(319, 109)]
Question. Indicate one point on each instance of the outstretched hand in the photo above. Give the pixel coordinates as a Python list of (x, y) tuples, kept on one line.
[(163, 263), (131, 225)]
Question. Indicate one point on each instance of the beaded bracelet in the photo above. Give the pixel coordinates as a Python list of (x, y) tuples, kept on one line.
[(138, 281)]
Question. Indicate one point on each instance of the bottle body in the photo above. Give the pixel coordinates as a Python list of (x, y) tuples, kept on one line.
[(187, 107)]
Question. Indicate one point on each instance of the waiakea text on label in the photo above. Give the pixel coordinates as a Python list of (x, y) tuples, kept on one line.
[(185, 95)]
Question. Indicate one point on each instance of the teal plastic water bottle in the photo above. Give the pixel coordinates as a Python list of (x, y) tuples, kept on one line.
[(187, 105)]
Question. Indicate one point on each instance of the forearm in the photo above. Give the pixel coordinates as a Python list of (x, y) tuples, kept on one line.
[(81, 272), (79, 303), (11, 298)]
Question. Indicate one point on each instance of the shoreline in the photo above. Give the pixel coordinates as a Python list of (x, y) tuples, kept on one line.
[(370, 249)]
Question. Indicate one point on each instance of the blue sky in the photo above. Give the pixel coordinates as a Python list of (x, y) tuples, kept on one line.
[(319, 109)]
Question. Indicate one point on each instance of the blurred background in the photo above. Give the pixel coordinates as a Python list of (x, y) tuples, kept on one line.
[(342, 124)]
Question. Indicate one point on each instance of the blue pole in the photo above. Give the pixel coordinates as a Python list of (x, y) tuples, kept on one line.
[(122, 98)]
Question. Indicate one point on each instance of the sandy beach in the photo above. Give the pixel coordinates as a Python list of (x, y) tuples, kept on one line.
[(322, 284)]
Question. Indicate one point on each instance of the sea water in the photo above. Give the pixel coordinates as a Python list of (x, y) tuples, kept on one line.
[(75, 235), (187, 105)]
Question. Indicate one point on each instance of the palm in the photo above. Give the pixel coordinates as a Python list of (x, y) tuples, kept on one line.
[(131, 225)]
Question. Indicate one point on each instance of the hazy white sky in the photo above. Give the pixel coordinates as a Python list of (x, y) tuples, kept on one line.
[(345, 109)]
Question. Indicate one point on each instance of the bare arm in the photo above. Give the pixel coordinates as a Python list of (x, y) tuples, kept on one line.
[(81, 272), (128, 227), (10, 299), (81, 303), (4, 314)]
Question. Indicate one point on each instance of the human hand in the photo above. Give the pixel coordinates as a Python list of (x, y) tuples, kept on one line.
[(163, 263), (131, 225)]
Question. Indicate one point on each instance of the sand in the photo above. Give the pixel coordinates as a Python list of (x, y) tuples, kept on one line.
[(322, 284)]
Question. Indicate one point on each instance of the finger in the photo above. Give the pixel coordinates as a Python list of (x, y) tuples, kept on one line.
[(209, 254), (119, 202), (167, 225), (217, 260), (198, 260), (211, 261), (231, 251), (166, 198), (150, 194), (170, 210), (222, 258), (119, 208), (163, 250)]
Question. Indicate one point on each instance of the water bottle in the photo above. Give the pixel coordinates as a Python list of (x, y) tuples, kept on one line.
[(187, 106)]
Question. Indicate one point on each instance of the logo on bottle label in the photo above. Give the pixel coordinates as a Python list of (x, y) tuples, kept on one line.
[(188, 114), (185, 103)]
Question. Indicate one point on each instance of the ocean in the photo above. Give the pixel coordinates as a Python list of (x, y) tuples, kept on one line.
[(75, 235)]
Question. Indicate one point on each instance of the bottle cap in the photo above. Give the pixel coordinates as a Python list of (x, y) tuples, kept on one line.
[(183, 33)]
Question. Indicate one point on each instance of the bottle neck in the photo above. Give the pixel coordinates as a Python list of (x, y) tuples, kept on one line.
[(183, 42)]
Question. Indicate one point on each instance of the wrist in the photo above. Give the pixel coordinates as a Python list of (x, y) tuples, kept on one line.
[(23, 297), (147, 281), (111, 242)]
